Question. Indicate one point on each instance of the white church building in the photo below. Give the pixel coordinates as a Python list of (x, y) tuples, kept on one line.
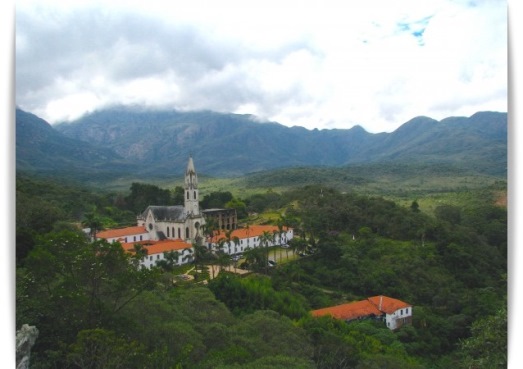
[(176, 222)]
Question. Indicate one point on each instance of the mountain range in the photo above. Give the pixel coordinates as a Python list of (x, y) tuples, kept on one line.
[(139, 142)]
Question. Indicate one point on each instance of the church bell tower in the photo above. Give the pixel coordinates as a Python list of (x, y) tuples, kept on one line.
[(192, 196)]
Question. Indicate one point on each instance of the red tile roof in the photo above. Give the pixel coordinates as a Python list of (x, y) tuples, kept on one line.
[(353, 310), (121, 232), (252, 231), (158, 247), (376, 305), (387, 304)]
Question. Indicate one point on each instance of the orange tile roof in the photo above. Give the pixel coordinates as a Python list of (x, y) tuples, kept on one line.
[(388, 304), (252, 231), (363, 308), (121, 232), (158, 247), (352, 310)]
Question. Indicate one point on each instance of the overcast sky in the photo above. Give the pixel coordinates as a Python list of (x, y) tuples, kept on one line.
[(317, 64)]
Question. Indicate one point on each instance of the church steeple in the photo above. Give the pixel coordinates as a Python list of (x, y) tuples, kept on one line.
[(192, 197)]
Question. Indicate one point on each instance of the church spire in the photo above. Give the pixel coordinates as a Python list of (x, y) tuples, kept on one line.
[(192, 197), (191, 179)]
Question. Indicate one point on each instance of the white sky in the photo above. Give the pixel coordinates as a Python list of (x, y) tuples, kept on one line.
[(317, 64)]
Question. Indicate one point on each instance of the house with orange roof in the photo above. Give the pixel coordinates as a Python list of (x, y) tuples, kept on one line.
[(124, 235), (395, 313), (156, 251), (249, 237)]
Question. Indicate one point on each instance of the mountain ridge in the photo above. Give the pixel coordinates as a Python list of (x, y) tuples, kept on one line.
[(158, 142)]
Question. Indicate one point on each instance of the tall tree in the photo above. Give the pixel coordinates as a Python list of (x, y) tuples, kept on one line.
[(143, 195), (93, 222), (71, 284), (139, 252), (265, 240), (487, 348)]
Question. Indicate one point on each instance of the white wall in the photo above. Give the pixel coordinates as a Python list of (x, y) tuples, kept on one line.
[(395, 320), (151, 260), (130, 238), (253, 242)]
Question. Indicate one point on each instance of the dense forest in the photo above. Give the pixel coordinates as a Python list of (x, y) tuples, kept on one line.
[(95, 309)]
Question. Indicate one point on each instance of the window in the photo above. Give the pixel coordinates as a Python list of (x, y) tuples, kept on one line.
[(401, 311), (157, 256), (195, 195), (406, 310), (140, 237), (134, 238)]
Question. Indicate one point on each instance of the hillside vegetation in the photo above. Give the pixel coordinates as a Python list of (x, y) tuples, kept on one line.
[(94, 309)]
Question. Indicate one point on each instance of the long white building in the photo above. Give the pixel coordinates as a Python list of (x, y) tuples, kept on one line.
[(249, 237)]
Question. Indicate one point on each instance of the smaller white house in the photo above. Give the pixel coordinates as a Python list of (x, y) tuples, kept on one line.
[(395, 313), (248, 238)]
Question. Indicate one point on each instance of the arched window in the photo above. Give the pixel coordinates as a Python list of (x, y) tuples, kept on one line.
[(187, 232), (179, 233), (168, 232), (195, 195), (173, 232), (187, 195)]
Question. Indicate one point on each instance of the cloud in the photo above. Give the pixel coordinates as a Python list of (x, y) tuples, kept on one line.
[(316, 64)]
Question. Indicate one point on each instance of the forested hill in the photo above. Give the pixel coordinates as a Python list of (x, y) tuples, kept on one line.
[(41, 148), (159, 142)]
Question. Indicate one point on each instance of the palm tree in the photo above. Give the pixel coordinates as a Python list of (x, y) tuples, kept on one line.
[(210, 228), (140, 252), (275, 236), (248, 231), (200, 254), (265, 239), (171, 258), (236, 242), (220, 253), (298, 245), (228, 238), (255, 258), (93, 222), (224, 260)]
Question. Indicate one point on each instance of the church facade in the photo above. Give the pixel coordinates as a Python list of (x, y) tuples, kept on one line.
[(182, 222)]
